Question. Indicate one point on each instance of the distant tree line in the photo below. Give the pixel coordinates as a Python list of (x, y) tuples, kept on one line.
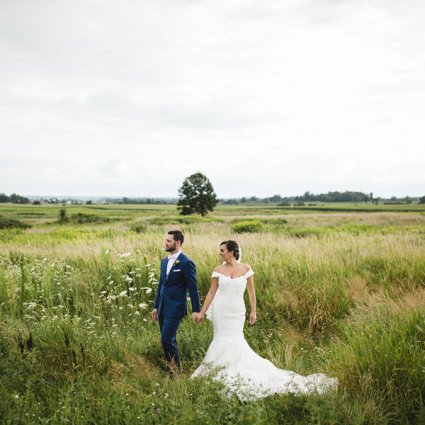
[(14, 199), (347, 196), (141, 201), (334, 197)]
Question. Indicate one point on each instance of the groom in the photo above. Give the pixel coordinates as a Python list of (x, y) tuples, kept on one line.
[(177, 276)]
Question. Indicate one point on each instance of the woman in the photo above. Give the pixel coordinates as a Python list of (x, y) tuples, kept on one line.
[(229, 356)]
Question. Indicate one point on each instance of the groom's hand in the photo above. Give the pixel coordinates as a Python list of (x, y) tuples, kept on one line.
[(197, 318), (155, 314)]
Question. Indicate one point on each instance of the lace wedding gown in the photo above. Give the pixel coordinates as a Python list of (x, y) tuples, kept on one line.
[(234, 362)]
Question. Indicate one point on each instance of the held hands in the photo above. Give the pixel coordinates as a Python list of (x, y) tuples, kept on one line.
[(198, 317), (155, 314)]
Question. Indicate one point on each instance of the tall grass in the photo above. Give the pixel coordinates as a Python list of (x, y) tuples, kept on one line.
[(77, 343)]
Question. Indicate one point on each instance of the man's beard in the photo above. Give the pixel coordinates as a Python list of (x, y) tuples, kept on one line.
[(172, 248)]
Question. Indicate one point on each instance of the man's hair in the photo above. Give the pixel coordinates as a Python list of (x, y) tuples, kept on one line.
[(177, 235)]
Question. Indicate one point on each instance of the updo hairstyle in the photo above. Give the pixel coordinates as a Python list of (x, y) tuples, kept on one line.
[(232, 246)]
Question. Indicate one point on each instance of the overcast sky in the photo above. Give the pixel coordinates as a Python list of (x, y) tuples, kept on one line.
[(129, 97)]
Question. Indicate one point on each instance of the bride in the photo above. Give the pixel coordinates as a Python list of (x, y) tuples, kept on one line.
[(229, 357)]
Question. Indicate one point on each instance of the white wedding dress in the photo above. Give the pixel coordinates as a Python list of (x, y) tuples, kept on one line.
[(233, 362)]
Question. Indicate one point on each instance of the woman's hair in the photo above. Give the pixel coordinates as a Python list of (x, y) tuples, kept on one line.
[(232, 246)]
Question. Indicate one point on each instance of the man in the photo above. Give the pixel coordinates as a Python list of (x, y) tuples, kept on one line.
[(177, 276)]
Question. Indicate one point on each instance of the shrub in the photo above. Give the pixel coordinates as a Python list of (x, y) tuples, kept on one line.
[(11, 223), (82, 218), (252, 226), (184, 220), (138, 227)]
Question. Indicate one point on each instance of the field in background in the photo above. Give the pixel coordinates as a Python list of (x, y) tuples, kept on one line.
[(340, 291)]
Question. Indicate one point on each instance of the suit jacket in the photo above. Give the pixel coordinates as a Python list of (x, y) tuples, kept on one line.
[(171, 295)]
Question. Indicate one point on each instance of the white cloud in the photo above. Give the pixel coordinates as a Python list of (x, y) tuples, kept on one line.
[(264, 98)]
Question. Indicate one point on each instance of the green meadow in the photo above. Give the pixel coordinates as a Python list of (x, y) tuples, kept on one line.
[(340, 290)]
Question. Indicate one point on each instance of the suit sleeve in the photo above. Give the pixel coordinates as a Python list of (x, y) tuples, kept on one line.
[(190, 277), (158, 289)]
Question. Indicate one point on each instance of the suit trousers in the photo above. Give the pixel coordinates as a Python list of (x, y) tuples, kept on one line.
[(168, 329)]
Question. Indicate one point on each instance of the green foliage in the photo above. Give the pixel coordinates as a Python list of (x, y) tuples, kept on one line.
[(14, 199), (139, 227), (63, 218), (11, 223), (339, 294), (196, 195), (248, 226), (184, 220), (82, 218), (383, 357)]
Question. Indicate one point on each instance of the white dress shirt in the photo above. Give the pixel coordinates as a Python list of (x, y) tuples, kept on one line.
[(171, 260)]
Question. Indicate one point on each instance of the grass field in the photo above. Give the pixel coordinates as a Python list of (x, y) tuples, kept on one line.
[(340, 290)]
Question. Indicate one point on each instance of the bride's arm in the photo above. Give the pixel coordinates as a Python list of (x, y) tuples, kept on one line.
[(252, 300), (210, 296)]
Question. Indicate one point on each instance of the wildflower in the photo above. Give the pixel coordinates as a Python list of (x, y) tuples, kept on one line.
[(123, 293), (124, 254), (143, 305)]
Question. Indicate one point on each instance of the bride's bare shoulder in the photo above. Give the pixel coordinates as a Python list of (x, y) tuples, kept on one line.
[(219, 269), (246, 267)]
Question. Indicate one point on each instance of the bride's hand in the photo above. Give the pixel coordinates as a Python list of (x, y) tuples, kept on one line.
[(252, 318)]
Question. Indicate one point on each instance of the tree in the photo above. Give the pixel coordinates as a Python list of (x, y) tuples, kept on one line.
[(196, 195), (422, 200)]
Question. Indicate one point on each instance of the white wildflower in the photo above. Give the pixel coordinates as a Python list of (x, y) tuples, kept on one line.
[(123, 293)]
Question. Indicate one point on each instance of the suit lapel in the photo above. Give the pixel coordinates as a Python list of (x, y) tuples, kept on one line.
[(179, 258), (164, 269)]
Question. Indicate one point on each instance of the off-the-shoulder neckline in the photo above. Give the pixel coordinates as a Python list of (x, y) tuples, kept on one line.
[(237, 277)]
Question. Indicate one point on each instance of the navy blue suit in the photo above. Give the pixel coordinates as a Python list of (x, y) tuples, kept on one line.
[(171, 301)]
